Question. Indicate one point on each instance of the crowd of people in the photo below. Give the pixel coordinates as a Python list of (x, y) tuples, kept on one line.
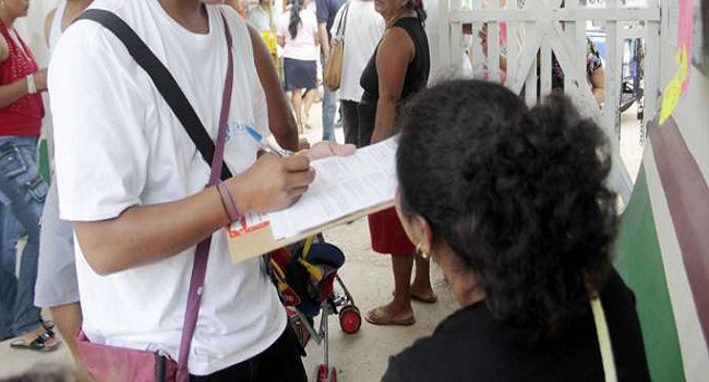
[(511, 202)]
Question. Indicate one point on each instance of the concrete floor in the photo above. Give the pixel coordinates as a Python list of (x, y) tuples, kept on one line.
[(362, 356)]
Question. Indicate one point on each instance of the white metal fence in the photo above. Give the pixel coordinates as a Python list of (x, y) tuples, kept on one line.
[(537, 28)]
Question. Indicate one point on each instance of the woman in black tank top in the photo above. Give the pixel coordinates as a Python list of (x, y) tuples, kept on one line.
[(398, 68)]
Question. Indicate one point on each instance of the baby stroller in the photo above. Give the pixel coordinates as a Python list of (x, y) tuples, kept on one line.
[(305, 275)]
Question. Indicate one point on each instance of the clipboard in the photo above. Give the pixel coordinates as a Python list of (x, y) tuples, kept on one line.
[(247, 242), (367, 186)]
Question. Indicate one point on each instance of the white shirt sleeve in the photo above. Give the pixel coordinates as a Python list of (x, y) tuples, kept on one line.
[(99, 116)]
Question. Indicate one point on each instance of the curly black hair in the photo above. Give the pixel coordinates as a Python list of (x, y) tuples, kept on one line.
[(519, 195)]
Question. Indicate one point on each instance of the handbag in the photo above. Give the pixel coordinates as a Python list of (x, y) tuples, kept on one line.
[(333, 66), (112, 363)]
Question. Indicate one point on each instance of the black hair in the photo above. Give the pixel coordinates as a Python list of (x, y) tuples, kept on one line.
[(519, 195), (295, 18), (418, 7)]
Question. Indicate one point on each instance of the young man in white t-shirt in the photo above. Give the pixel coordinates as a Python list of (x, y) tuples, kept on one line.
[(133, 184)]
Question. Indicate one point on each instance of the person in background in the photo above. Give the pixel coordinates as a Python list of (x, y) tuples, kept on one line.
[(595, 71), (363, 30), (397, 70), (326, 11), (298, 35), (57, 287), (513, 205), (238, 5), (259, 16), (147, 183), (22, 189)]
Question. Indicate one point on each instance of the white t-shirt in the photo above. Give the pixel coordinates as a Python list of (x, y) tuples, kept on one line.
[(303, 46), (122, 146), (363, 30)]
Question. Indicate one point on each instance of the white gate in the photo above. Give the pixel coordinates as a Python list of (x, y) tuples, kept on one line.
[(538, 28)]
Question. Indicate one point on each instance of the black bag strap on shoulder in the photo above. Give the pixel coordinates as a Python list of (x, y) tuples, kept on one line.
[(340, 32), (163, 80)]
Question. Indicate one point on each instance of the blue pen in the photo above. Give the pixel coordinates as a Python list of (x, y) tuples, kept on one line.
[(264, 144)]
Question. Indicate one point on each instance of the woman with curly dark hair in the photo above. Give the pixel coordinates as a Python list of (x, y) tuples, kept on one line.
[(512, 204)]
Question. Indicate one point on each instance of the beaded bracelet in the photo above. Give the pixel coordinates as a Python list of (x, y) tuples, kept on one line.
[(235, 211), (221, 199)]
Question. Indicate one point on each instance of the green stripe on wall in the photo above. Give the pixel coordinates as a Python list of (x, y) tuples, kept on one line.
[(639, 261)]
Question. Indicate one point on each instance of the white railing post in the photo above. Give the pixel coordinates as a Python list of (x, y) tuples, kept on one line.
[(512, 38), (620, 179), (456, 41), (444, 31), (530, 86), (493, 46), (651, 77), (613, 70)]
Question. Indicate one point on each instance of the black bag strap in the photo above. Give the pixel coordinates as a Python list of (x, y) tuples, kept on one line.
[(163, 80), (343, 22)]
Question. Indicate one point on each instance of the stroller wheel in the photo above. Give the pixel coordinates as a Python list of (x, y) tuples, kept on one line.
[(350, 319), (320, 374)]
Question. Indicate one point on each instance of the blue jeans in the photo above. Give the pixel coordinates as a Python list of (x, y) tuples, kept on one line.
[(22, 191), (329, 107)]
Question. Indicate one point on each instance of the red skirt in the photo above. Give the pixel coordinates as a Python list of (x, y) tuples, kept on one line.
[(388, 235)]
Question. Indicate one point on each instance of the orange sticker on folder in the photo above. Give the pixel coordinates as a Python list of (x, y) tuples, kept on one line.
[(249, 223)]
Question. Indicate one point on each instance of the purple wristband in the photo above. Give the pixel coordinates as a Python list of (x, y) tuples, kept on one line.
[(221, 199), (231, 200)]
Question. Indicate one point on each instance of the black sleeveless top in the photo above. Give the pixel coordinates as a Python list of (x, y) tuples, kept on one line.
[(415, 80)]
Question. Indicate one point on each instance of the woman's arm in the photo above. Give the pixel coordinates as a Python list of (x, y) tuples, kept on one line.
[(324, 40), (48, 24), (142, 235), (393, 57), (598, 84), (280, 118), (12, 92)]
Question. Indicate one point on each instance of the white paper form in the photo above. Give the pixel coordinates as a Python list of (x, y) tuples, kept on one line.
[(342, 185)]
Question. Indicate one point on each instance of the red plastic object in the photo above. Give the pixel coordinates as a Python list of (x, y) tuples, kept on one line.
[(320, 373), (350, 319)]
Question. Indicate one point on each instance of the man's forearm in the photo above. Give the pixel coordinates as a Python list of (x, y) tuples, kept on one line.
[(145, 234)]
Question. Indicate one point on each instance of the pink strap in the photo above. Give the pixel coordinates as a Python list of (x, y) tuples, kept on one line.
[(199, 268)]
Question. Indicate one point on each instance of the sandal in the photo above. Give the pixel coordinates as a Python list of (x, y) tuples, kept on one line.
[(44, 342), (48, 325), (379, 316), (426, 300)]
